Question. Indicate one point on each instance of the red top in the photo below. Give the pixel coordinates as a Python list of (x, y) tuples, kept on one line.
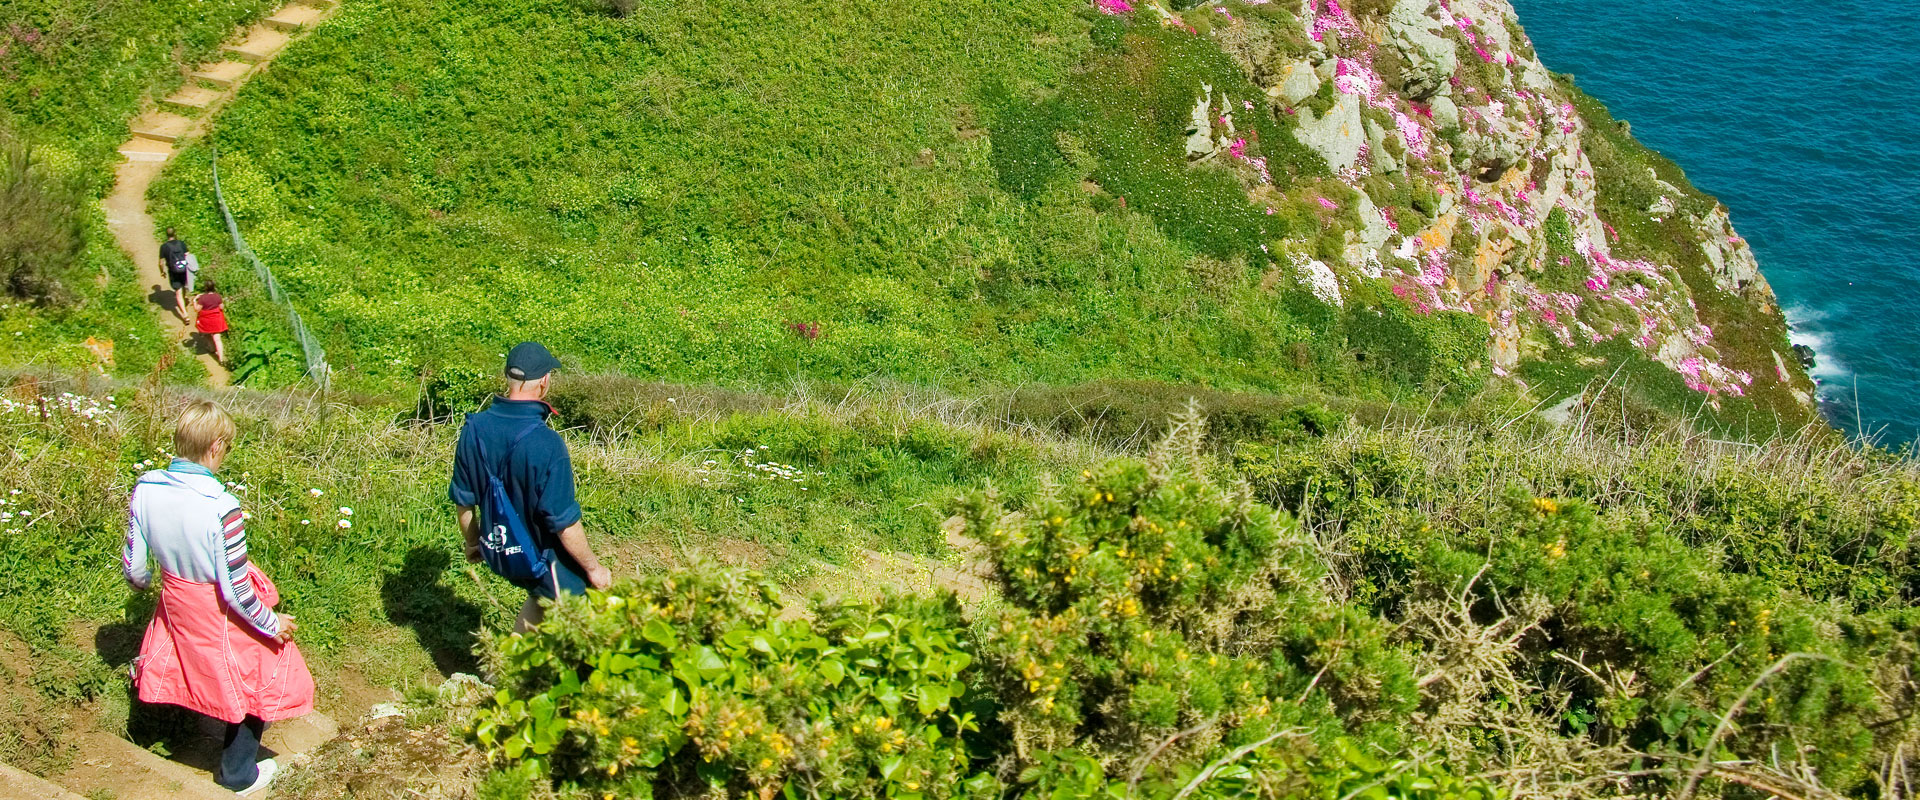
[(213, 318)]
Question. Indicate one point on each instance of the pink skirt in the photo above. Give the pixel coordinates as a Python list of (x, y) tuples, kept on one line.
[(200, 656)]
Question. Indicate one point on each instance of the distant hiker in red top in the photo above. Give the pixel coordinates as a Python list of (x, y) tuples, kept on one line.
[(215, 644), (213, 319)]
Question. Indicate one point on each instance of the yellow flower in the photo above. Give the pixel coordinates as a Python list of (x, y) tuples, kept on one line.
[(1546, 505)]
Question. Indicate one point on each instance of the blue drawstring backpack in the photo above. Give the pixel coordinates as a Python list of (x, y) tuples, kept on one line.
[(506, 545)]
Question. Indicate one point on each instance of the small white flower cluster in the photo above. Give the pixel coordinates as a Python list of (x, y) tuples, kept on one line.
[(755, 469), (17, 516), (89, 412), (344, 522)]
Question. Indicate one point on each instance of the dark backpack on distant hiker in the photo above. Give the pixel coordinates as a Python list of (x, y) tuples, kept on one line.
[(506, 544), (176, 257)]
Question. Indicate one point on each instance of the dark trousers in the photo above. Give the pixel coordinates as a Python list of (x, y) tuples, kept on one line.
[(237, 768)]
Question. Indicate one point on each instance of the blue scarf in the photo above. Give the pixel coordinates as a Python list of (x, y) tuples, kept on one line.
[(190, 468)]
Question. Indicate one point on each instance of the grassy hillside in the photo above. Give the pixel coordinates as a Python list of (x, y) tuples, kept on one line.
[(674, 193), (71, 76)]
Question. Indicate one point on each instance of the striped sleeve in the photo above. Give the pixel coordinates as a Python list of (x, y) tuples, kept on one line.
[(133, 556), (235, 588)]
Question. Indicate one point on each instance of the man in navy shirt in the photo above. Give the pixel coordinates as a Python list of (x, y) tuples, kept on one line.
[(538, 475)]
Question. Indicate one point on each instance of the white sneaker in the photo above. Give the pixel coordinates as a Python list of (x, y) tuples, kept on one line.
[(268, 769)]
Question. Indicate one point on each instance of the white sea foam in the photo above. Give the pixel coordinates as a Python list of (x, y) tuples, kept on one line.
[(1806, 331)]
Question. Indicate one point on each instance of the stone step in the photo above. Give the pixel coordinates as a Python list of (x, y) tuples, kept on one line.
[(192, 98), (261, 43), (161, 126), (295, 17), (144, 149), (19, 785), (113, 764), (110, 766), (223, 74), (300, 736)]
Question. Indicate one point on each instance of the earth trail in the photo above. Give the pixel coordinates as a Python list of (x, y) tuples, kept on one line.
[(183, 116), (110, 765)]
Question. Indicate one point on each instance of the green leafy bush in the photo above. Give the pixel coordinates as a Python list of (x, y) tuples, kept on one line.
[(1160, 636), (694, 679), (1625, 599)]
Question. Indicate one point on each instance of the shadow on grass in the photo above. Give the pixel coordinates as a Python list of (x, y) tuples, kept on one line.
[(419, 598)]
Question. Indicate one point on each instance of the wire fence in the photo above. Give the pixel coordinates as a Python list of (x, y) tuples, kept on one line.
[(309, 347)]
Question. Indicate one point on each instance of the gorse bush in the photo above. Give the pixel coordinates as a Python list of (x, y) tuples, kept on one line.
[(1151, 600), (1141, 601), (1635, 615), (1676, 638)]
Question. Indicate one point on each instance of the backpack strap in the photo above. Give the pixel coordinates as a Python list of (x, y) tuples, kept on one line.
[(487, 463)]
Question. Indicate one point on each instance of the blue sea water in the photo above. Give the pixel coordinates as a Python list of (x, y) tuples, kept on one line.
[(1805, 120)]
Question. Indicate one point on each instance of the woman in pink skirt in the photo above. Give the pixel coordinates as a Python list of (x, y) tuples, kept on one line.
[(215, 645)]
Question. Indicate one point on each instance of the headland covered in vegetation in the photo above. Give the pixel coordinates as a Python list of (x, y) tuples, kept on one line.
[(1302, 398)]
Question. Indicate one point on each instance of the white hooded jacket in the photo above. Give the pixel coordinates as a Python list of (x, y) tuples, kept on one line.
[(184, 518)]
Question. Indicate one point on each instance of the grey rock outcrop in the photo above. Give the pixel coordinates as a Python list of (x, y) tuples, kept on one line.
[(1446, 114), (1430, 58), (1200, 131), (1337, 135), (1734, 267), (1296, 83)]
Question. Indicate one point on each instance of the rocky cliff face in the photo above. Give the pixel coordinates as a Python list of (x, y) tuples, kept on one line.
[(1509, 222)]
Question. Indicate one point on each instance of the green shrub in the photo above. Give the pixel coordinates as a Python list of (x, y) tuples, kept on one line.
[(1438, 350), (41, 244), (693, 679), (1142, 600), (1632, 600)]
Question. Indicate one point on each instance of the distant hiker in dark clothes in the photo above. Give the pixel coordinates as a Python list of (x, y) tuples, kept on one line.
[(511, 442), (212, 319), (173, 261)]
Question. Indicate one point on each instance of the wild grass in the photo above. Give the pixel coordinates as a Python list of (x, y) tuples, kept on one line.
[(385, 599)]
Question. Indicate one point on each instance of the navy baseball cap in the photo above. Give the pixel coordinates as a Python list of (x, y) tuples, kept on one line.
[(530, 361)]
